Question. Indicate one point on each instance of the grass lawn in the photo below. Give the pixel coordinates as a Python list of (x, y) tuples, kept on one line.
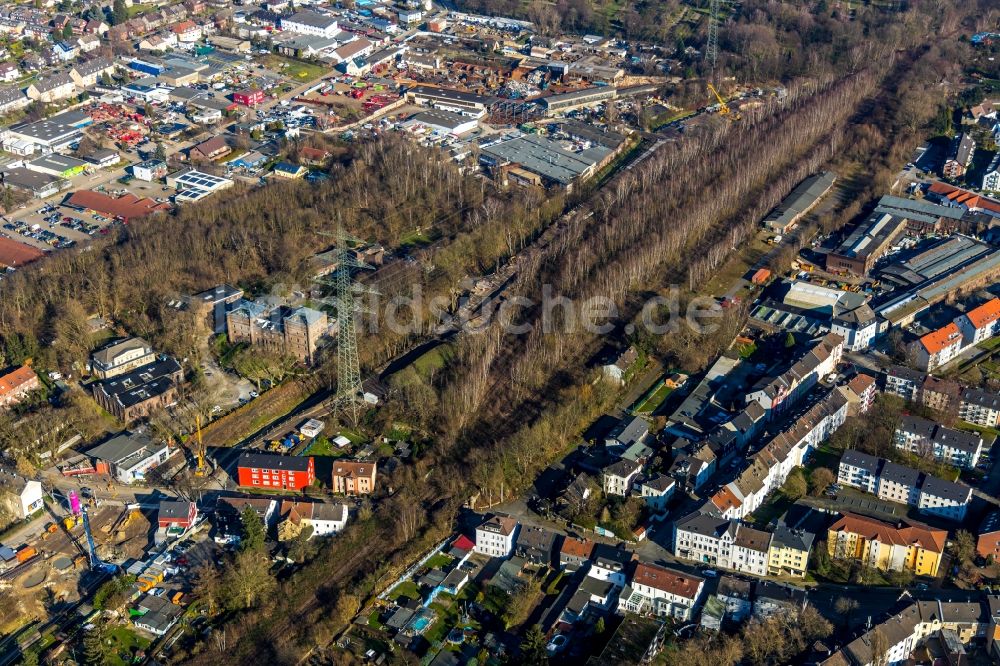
[(355, 437), (737, 266), (324, 447), (406, 589), (988, 434), (774, 508), (655, 399), (414, 238), (373, 620), (125, 641), (438, 561), (825, 457), (433, 360), (137, 9), (295, 70)]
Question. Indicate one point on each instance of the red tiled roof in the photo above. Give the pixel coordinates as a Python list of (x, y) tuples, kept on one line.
[(937, 340), (667, 580), (577, 547), (463, 543), (965, 197), (985, 314), (725, 499), (14, 254), (126, 207), (861, 383), (15, 379), (876, 530)]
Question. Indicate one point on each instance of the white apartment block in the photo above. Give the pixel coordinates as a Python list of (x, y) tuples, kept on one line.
[(896, 483), (496, 536), (980, 407), (954, 447), (308, 22), (980, 323)]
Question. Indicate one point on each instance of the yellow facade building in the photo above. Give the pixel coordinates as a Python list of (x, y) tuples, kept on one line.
[(887, 547)]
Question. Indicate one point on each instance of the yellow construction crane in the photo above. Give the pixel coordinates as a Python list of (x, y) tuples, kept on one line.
[(199, 452), (724, 109)]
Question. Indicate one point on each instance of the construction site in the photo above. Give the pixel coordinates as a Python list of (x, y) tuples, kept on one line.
[(80, 538)]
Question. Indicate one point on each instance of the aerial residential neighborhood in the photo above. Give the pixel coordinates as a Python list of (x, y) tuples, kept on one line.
[(483, 333)]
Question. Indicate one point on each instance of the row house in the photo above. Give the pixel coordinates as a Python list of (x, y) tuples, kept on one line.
[(780, 393), (611, 564), (52, 88), (769, 467), (750, 550), (789, 551), (904, 485), (886, 546), (574, 552), (925, 437), (972, 405), (88, 73), (895, 640), (661, 592), (710, 539), (496, 535)]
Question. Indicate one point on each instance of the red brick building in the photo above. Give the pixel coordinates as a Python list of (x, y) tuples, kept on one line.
[(248, 97), (175, 513), (264, 470)]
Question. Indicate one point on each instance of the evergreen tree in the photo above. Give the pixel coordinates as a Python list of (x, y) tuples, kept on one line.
[(253, 531), (161, 152), (95, 647), (119, 13), (533, 648)]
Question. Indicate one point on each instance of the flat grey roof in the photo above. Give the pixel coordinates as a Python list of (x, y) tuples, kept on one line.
[(547, 157)]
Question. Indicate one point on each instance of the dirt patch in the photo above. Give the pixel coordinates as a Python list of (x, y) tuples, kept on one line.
[(251, 417)]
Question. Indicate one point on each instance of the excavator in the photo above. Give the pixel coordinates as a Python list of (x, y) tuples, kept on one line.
[(724, 109)]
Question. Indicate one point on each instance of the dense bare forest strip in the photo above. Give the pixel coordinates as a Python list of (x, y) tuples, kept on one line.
[(569, 408), (262, 240)]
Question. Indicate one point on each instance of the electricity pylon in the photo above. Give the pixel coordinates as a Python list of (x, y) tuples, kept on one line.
[(349, 388), (712, 46)]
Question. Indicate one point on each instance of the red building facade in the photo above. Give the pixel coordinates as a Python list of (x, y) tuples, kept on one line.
[(248, 97), (261, 470)]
